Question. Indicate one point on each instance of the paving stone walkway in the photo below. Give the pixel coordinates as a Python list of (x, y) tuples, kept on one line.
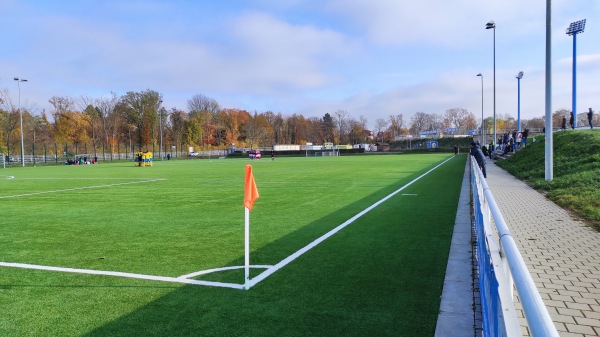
[(561, 252)]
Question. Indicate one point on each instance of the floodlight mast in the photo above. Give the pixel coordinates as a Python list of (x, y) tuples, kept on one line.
[(519, 77), (19, 80), (574, 29)]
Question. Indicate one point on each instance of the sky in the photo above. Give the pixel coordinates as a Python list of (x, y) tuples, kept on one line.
[(371, 58)]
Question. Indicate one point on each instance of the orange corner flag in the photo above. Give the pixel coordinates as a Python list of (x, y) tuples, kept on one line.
[(250, 190)]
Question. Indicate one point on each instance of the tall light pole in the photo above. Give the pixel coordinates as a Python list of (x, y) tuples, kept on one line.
[(574, 29), (548, 149), (482, 120), (160, 121), (19, 80), (519, 77), (492, 25)]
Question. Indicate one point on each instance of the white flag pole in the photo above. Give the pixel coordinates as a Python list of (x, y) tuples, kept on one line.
[(247, 248)]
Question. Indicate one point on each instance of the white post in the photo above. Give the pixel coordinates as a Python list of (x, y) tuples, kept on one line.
[(247, 248)]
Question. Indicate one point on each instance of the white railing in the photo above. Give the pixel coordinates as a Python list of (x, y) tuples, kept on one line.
[(500, 264)]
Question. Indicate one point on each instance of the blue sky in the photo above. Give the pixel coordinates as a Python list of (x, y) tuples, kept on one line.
[(372, 58)]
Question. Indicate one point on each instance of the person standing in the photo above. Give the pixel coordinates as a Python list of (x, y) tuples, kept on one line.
[(572, 120), (455, 150), (563, 125), (590, 116), (479, 158)]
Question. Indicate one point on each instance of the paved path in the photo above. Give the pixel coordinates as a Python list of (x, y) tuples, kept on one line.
[(562, 254)]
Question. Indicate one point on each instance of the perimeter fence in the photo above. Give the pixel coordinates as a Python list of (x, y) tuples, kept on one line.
[(501, 270)]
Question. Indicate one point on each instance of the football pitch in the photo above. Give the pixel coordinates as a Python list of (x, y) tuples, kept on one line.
[(353, 246)]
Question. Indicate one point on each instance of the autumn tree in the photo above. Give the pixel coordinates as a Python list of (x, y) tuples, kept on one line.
[(328, 128), (139, 110), (396, 123), (277, 124), (232, 121), (204, 112), (176, 120), (9, 122)]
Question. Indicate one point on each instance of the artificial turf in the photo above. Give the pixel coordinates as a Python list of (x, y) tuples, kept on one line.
[(380, 276)]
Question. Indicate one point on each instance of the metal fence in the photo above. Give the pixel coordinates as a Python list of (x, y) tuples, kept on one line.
[(501, 269), (54, 153)]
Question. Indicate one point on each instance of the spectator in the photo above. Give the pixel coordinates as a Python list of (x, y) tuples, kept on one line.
[(590, 116), (563, 125), (479, 158), (525, 134), (484, 150), (572, 120)]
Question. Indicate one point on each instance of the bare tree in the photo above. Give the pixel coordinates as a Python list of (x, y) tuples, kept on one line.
[(342, 125), (380, 125), (61, 104), (200, 103), (419, 122), (110, 120)]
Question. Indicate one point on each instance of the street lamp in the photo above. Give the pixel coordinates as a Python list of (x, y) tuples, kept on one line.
[(19, 80), (574, 29), (492, 25), (519, 77), (161, 137), (482, 120)]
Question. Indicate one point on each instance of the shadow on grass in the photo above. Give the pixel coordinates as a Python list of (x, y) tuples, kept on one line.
[(380, 276)]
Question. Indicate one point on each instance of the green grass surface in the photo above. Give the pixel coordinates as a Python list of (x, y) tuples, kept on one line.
[(576, 183), (380, 276)]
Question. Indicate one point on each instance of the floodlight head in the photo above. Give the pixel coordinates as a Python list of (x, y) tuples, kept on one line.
[(520, 75), (479, 75), (16, 78), (576, 27), (490, 25)]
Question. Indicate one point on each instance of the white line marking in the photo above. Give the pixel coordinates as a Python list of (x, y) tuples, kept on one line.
[(325, 236), (80, 178), (180, 279), (79, 188), (214, 270)]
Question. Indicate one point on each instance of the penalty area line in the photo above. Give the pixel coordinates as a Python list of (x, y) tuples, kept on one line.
[(252, 282)]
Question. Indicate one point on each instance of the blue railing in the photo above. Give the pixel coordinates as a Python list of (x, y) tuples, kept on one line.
[(501, 267)]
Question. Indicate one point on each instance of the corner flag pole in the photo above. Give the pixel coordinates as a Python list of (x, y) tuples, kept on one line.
[(250, 195), (247, 248)]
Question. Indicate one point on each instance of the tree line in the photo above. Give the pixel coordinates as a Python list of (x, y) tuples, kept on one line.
[(140, 120)]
